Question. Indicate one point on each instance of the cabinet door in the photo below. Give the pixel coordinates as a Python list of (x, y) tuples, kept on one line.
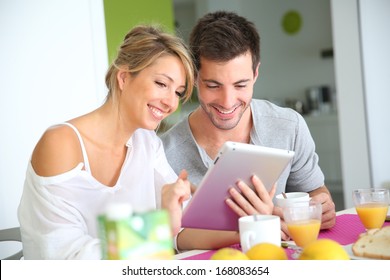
[(325, 132)]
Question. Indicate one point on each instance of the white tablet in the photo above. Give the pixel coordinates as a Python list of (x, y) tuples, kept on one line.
[(207, 208)]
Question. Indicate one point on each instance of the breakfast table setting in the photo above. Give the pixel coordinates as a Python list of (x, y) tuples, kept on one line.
[(346, 231)]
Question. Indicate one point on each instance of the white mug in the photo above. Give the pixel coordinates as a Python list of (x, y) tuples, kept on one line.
[(257, 229), (291, 198)]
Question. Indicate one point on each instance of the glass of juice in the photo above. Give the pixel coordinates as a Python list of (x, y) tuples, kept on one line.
[(371, 205), (303, 221)]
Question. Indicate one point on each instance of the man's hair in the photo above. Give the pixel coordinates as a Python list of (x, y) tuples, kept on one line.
[(221, 36)]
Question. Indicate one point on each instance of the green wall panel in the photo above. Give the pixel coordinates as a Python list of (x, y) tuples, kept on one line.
[(122, 15)]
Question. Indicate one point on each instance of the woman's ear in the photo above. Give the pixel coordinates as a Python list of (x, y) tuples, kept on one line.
[(121, 78)]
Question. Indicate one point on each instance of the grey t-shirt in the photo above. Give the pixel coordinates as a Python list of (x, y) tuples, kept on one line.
[(273, 126)]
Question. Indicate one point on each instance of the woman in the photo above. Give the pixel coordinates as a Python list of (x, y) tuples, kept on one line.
[(110, 154)]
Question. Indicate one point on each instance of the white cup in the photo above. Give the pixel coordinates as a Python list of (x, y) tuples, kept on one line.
[(257, 229), (291, 198)]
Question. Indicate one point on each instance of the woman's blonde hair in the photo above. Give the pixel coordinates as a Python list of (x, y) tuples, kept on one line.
[(140, 48)]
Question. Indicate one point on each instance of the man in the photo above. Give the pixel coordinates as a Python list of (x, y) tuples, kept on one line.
[(226, 49)]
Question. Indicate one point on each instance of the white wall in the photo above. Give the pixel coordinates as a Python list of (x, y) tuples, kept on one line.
[(375, 34), (362, 43), (53, 61)]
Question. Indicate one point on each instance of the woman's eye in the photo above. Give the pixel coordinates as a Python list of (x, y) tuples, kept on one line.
[(180, 94), (160, 84)]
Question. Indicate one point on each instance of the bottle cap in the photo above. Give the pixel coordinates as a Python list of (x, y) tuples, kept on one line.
[(118, 211)]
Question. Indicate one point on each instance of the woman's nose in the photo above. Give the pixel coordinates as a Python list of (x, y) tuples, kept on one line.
[(171, 102)]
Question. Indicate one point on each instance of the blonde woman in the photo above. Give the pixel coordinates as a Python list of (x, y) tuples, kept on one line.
[(110, 154)]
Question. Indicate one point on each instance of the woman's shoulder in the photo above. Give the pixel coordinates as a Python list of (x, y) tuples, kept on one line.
[(57, 151)]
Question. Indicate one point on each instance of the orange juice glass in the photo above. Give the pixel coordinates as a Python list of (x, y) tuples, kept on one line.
[(303, 221), (371, 205), (304, 232)]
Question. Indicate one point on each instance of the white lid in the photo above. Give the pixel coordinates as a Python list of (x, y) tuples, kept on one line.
[(118, 211)]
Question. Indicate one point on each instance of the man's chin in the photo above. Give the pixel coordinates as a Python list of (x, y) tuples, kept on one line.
[(225, 124)]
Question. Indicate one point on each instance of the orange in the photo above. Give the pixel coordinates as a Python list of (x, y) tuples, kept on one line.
[(266, 251), (324, 249), (229, 254)]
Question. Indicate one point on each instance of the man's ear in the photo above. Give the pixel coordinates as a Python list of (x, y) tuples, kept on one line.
[(196, 81), (121, 78), (256, 73)]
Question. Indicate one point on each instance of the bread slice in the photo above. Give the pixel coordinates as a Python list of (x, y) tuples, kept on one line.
[(374, 244)]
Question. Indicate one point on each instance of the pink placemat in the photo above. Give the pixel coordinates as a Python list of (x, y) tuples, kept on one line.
[(207, 255), (346, 231)]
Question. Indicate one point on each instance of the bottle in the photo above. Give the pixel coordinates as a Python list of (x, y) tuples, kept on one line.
[(116, 219)]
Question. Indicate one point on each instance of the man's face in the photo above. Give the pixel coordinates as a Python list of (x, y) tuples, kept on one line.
[(225, 89)]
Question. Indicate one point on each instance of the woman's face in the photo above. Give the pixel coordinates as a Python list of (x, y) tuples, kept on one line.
[(153, 94)]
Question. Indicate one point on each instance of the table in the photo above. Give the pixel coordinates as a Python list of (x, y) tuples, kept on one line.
[(346, 231)]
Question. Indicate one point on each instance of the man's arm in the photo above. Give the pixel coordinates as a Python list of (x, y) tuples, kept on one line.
[(323, 195)]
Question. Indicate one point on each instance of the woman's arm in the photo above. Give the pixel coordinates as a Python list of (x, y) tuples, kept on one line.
[(202, 239), (52, 226), (173, 196)]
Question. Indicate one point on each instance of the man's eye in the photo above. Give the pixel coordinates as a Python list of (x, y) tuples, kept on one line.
[(241, 86)]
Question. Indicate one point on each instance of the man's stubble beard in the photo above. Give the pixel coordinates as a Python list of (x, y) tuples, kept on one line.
[(220, 124)]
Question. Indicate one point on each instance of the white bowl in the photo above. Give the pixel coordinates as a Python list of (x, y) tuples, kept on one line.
[(291, 198)]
